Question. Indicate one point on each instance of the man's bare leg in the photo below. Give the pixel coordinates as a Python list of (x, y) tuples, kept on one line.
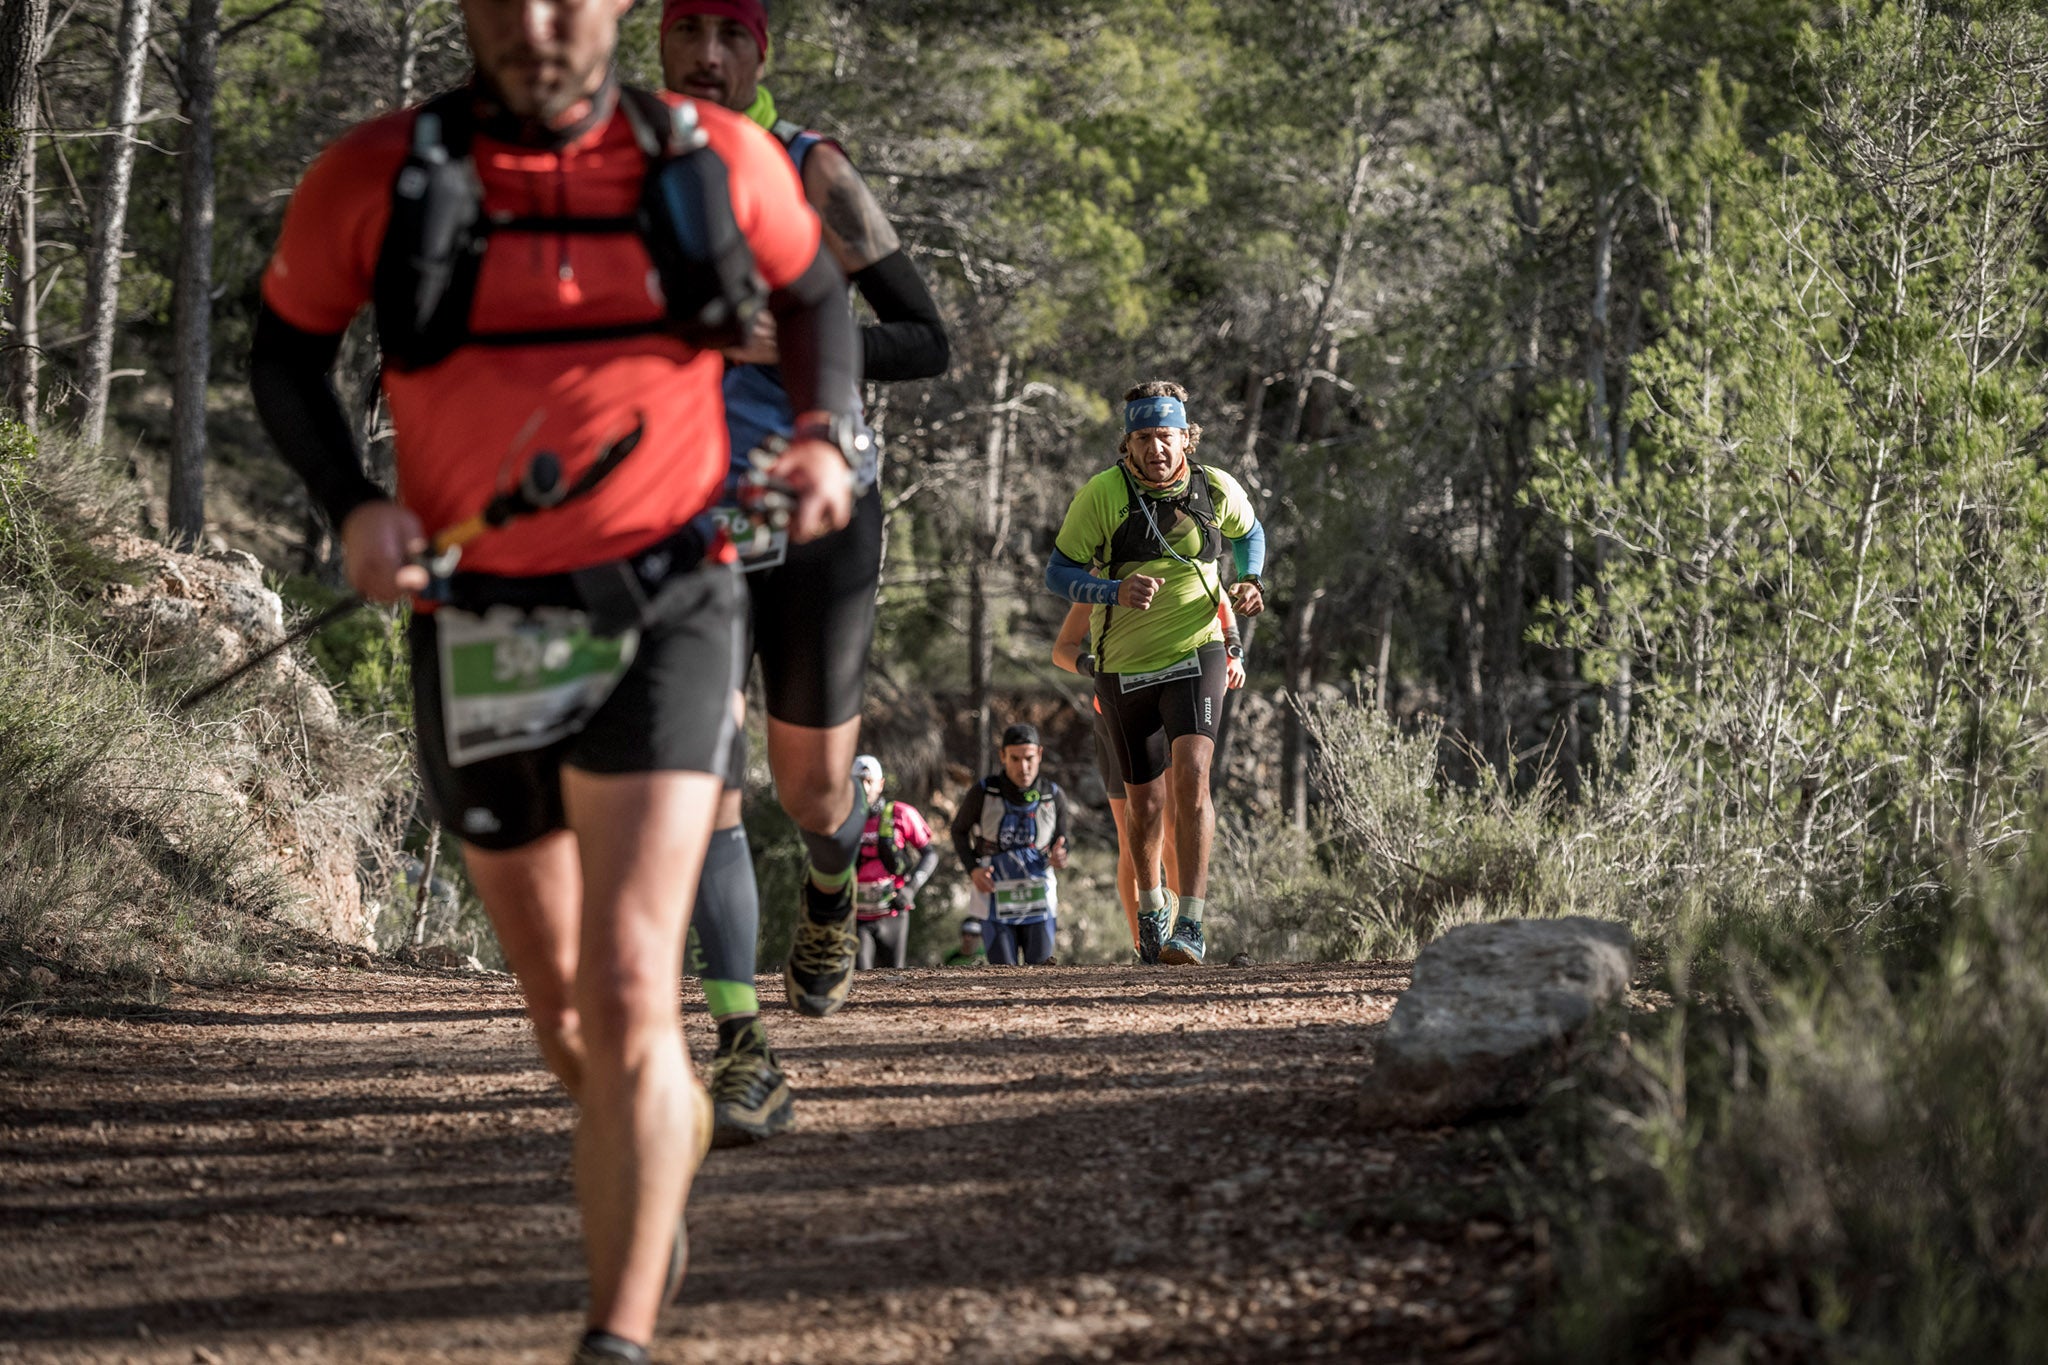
[(642, 838), (813, 767), (1193, 818), (1126, 870), (1194, 831), (533, 896), (813, 770)]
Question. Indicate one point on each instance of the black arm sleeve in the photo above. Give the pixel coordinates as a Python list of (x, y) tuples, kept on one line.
[(815, 334), (964, 821), (288, 374), (1059, 813), (909, 341)]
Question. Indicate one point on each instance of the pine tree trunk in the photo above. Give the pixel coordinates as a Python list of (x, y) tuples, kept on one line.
[(26, 369), (109, 229), (1301, 677), (981, 646), (21, 44), (185, 502)]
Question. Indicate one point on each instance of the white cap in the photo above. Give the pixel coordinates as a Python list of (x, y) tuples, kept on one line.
[(865, 764)]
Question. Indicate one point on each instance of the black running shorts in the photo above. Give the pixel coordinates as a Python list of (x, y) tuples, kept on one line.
[(1156, 755), (671, 712), (1143, 724), (813, 617)]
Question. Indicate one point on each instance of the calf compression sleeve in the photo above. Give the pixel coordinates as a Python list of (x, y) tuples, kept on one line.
[(727, 924), (832, 855)]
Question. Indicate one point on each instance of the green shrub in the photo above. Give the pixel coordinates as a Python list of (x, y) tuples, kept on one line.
[(1839, 1163)]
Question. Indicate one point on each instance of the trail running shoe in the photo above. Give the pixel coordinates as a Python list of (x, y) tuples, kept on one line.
[(1184, 949), (749, 1094), (820, 966), (1151, 929), (602, 1348)]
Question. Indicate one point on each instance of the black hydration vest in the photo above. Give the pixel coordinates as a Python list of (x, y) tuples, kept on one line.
[(425, 284), (1135, 542)]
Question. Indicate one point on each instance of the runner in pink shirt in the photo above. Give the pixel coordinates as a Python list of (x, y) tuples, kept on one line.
[(897, 857)]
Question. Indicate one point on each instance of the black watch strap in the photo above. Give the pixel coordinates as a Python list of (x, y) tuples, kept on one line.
[(841, 429)]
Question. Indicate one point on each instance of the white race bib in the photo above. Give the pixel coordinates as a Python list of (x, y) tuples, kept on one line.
[(759, 546), (1190, 667), (516, 680), (1024, 898)]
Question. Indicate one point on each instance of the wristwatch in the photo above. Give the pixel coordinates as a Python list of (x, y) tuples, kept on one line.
[(1234, 651), (841, 429), (1254, 580)]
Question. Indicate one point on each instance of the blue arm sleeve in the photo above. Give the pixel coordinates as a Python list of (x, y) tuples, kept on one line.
[(1251, 551), (1070, 579)]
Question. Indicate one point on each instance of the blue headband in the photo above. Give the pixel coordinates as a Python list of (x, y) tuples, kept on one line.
[(1141, 413)]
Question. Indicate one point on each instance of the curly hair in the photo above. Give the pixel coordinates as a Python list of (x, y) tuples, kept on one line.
[(1159, 388)]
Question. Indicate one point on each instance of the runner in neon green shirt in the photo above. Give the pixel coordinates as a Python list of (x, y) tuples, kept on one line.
[(1143, 544)]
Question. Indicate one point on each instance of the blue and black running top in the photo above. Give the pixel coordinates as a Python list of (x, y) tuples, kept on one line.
[(756, 404), (1013, 832)]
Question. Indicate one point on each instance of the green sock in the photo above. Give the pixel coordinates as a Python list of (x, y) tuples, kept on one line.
[(731, 997), (1151, 902), (1191, 908)]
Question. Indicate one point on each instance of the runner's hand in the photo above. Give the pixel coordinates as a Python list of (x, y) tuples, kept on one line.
[(817, 475), (1058, 854), (379, 543), (1137, 592), (983, 879), (1247, 598), (759, 348), (1233, 674)]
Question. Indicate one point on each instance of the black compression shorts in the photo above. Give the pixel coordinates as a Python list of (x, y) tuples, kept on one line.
[(813, 617), (1156, 754), (1143, 724), (671, 712)]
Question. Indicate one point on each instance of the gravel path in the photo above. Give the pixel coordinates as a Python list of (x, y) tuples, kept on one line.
[(367, 1164)]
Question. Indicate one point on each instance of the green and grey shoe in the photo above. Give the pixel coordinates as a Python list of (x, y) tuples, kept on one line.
[(750, 1098), (1184, 949), (820, 968)]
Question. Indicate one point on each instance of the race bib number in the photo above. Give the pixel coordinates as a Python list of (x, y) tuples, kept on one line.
[(1025, 898), (514, 680), (759, 546), (1190, 667)]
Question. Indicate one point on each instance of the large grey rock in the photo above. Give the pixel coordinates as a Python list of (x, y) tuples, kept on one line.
[(1491, 1013)]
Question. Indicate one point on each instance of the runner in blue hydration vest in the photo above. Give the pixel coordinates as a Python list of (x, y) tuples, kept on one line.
[(813, 606), (1011, 835)]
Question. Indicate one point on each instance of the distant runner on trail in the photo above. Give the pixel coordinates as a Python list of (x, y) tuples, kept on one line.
[(813, 606), (971, 952), (897, 857), (554, 271), (1140, 545), (1070, 651), (1011, 835)]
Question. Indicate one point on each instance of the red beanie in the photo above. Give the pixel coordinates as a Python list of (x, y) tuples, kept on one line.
[(751, 13)]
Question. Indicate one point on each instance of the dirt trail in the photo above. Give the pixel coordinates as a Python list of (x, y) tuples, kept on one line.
[(1057, 1164)]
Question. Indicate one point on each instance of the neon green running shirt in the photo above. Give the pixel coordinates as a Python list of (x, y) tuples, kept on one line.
[(1182, 618)]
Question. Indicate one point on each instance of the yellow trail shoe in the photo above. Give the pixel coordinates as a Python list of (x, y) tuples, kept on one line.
[(750, 1096), (820, 967)]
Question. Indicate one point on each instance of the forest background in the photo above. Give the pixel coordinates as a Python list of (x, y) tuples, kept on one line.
[(1645, 404)]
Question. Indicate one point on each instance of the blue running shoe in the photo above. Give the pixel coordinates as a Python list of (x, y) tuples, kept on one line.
[(1184, 949), (1151, 929)]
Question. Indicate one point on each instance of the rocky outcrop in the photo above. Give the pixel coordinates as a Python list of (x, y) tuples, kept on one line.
[(286, 764), (1491, 1014)]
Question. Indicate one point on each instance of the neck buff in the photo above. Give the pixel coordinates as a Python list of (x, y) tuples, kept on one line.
[(1172, 488), (762, 110)]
